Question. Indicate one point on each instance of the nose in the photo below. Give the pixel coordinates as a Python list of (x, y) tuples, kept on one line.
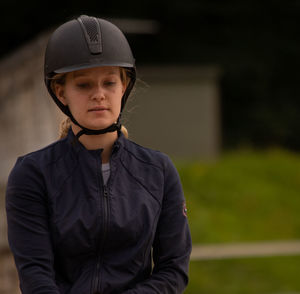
[(98, 93)]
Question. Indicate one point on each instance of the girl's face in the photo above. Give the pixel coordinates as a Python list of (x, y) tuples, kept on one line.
[(93, 95)]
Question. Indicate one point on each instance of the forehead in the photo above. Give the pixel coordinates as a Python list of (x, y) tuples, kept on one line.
[(97, 71)]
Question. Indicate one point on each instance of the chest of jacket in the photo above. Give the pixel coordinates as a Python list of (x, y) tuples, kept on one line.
[(87, 216)]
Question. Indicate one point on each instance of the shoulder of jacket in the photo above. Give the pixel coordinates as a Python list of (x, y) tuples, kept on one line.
[(46, 155), (146, 155)]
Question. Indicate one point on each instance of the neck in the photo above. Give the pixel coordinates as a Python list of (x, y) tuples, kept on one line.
[(93, 142)]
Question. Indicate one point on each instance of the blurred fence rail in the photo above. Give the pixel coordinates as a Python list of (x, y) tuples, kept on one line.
[(246, 250)]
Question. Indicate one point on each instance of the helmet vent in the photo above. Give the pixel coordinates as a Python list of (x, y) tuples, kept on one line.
[(92, 33)]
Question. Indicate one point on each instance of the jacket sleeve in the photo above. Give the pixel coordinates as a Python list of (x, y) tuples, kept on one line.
[(28, 229), (172, 245)]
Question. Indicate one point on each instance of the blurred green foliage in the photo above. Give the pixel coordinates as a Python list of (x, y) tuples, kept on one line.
[(265, 275), (244, 196)]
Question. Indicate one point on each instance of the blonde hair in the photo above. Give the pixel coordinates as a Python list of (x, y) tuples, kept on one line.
[(66, 123), (64, 127)]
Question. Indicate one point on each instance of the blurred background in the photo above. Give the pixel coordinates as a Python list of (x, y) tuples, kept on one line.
[(218, 90)]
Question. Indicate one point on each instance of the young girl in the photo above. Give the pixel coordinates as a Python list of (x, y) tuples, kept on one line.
[(95, 212)]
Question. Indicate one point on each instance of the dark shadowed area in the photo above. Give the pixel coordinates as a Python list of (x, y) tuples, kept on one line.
[(256, 43)]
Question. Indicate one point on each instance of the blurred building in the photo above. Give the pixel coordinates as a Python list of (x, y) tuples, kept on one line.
[(29, 119), (176, 110)]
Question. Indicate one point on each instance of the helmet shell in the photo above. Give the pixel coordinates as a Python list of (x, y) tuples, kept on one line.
[(68, 47), (86, 42)]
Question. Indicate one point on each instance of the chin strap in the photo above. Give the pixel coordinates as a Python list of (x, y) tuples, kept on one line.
[(84, 131), (112, 128)]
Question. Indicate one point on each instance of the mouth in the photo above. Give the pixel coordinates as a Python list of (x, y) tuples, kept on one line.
[(97, 108)]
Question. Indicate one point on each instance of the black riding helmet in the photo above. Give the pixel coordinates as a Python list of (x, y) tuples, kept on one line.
[(88, 42)]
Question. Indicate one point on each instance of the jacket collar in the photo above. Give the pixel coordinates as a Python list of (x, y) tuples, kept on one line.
[(78, 147)]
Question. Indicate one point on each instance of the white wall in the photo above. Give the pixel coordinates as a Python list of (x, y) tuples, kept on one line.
[(176, 110)]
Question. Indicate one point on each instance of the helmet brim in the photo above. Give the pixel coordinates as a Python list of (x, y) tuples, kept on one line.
[(89, 65)]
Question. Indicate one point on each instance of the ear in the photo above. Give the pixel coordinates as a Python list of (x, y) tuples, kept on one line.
[(59, 92)]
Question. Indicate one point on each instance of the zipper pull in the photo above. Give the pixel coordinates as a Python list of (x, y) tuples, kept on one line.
[(105, 190)]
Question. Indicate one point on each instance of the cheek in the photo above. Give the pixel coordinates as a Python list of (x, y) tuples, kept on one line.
[(118, 98), (75, 98), (118, 103)]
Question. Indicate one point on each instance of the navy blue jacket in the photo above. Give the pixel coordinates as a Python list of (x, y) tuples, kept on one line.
[(70, 233)]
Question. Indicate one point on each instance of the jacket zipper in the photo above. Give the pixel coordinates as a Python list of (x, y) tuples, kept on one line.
[(96, 284)]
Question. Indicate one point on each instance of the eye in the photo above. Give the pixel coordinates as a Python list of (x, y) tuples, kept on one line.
[(83, 85), (109, 83)]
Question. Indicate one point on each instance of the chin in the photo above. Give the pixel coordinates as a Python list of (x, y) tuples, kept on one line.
[(99, 126)]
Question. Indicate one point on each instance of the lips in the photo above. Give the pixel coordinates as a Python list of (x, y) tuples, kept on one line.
[(98, 108)]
